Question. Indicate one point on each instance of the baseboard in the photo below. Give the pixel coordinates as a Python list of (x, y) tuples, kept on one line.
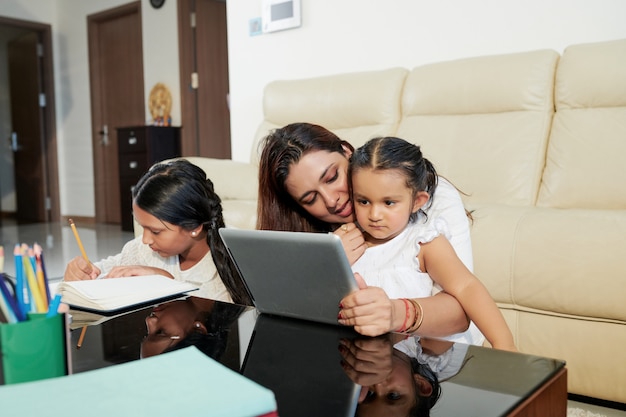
[(78, 220), (596, 401), (8, 215)]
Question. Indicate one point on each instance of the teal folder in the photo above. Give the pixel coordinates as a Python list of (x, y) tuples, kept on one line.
[(185, 382)]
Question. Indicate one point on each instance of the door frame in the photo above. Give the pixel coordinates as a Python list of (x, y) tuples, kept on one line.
[(49, 131)]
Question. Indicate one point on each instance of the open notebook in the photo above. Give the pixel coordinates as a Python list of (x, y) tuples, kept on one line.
[(112, 295)]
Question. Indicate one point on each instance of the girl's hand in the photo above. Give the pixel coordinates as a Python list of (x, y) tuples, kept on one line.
[(79, 269), (369, 310), (352, 240), (136, 270), (367, 361)]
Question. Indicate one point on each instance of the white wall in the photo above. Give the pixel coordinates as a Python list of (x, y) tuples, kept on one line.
[(357, 35), (335, 36)]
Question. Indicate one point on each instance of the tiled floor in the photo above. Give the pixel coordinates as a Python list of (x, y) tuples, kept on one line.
[(59, 244)]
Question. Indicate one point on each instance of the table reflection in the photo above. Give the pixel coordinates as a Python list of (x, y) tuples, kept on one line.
[(318, 369)]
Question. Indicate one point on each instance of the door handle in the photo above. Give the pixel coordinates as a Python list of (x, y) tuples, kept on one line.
[(104, 140), (14, 144)]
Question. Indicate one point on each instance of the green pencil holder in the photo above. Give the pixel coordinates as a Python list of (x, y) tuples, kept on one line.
[(34, 349)]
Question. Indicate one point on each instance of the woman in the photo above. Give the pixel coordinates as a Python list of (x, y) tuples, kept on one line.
[(180, 214), (304, 187)]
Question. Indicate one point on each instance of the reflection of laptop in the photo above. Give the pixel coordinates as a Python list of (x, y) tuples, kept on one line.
[(293, 274), (300, 362)]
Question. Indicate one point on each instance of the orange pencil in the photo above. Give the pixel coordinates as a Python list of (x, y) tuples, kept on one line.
[(82, 251)]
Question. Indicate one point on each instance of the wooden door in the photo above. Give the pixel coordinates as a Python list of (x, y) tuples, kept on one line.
[(27, 138), (204, 78), (117, 97)]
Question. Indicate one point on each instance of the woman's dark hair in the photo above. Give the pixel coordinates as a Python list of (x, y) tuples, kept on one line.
[(389, 152), (179, 193), (277, 210)]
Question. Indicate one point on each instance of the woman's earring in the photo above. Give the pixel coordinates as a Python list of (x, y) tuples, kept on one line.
[(194, 234), (197, 325)]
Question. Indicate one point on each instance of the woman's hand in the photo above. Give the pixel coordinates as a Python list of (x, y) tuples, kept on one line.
[(352, 240), (370, 310), (367, 361), (136, 270), (79, 269)]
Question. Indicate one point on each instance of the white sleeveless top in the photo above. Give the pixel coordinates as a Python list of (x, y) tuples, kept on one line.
[(394, 267)]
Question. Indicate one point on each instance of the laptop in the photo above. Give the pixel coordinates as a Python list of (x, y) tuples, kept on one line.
[(292, 274), (291, 356)]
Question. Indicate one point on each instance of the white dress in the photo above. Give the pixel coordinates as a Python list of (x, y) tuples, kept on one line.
[(204, 275), (394, 267), (447, 204)]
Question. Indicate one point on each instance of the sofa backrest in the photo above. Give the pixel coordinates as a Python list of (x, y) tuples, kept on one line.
[(355, 106), (585, 158), (484, 122)]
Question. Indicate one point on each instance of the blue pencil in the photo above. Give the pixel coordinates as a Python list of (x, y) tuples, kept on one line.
[(54, 306), (21, 288)]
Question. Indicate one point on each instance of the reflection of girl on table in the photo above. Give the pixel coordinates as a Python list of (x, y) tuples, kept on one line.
[(391, 183), (180, 214), (393, 381), (194, 321)]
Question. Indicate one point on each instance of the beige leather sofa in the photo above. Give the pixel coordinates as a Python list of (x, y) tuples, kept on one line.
[(538, 142)]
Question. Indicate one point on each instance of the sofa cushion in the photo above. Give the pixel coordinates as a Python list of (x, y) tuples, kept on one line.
[(494, 230), (355, 106), (480, 116), (585, 159), (571, 261)]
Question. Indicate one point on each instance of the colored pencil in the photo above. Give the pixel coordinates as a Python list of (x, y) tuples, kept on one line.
[(33, 283), (80, 243), (1, 259), (21, 289), (82, 250), (42, 281), (40, 261)]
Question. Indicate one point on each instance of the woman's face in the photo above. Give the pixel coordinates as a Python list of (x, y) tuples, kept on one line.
[(319, 183)]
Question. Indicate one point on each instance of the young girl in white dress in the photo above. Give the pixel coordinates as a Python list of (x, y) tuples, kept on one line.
[(408, 252)]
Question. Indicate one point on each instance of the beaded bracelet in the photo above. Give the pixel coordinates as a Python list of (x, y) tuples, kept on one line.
[(418, 319), (406, 317)]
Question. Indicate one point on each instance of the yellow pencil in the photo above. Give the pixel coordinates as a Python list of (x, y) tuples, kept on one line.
[(80, 243), (82, 251), (28, 257)]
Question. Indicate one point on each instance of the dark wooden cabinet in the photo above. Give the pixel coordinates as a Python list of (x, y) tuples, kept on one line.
[(138, 149)]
